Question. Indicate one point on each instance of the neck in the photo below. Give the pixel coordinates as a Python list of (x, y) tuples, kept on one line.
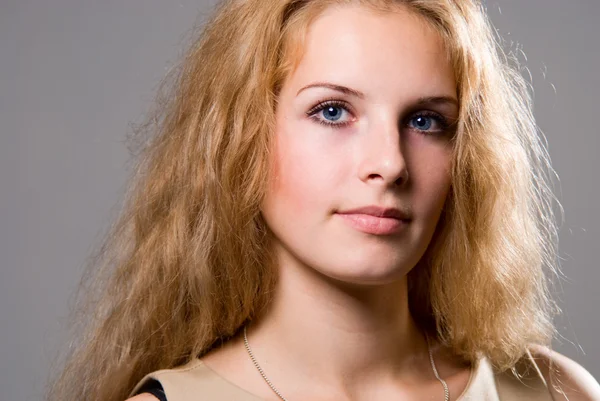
[(318, 330)]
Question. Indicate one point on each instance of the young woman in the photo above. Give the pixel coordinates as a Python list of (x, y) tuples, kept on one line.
[(345, 200)]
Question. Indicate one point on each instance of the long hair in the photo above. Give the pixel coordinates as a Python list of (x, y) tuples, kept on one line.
[(188, 261)]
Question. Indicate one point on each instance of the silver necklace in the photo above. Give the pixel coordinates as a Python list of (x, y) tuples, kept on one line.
[(262, 373)]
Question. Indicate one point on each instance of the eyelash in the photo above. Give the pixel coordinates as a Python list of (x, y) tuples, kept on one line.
[(328, 103), (441, 120)]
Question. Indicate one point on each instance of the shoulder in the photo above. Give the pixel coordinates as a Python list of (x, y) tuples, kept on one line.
[(566, 379), (172, 384)]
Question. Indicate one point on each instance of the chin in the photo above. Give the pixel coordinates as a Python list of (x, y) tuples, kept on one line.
[(366, 274)]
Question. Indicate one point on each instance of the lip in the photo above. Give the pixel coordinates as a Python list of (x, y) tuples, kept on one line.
[(375, 220)]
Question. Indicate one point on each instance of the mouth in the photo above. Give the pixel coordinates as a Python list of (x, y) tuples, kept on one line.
[(377, 225)]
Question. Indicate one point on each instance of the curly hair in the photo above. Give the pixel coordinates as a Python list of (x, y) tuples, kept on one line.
[(188, 260)]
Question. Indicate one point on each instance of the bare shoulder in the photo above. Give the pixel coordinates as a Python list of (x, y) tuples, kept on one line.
[(567, 379), (143, 397)]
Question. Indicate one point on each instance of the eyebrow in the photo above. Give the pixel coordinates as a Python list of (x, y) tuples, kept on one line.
[(339, 88), (438, 100), (349, 91)]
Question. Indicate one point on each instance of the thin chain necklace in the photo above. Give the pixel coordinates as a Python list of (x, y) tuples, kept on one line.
[(262, 373)]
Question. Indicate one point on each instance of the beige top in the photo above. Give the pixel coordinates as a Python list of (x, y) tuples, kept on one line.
[(195, 381)]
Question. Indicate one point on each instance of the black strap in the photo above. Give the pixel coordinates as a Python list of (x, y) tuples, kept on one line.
[(155, 388)]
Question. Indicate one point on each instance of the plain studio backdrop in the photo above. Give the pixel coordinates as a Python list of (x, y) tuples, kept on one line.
[(75, 75)]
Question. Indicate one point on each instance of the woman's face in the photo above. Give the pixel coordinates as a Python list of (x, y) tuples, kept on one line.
[(362, 146)]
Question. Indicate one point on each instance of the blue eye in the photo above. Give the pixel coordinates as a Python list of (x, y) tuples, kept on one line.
[(422, 123), (428, 122), (332, 113)]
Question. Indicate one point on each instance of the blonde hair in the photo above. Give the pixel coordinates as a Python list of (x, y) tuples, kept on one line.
[(188, 261)]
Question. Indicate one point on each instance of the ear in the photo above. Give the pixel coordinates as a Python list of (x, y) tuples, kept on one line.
[(566, 379)]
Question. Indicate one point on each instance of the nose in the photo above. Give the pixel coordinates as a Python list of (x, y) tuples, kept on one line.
[(382, 160)]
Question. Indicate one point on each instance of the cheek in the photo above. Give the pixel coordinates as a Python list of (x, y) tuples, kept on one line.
[(289, 188), (298, 172), (309, 165), (431, 174), (438, 170)]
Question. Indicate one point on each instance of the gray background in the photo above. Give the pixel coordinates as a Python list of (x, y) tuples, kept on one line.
[(74, 76)]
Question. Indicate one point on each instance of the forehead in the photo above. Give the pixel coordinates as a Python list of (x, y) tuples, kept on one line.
[(375, 50)]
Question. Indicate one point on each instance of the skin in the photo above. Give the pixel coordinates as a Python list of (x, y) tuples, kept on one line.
[(340, 319)]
